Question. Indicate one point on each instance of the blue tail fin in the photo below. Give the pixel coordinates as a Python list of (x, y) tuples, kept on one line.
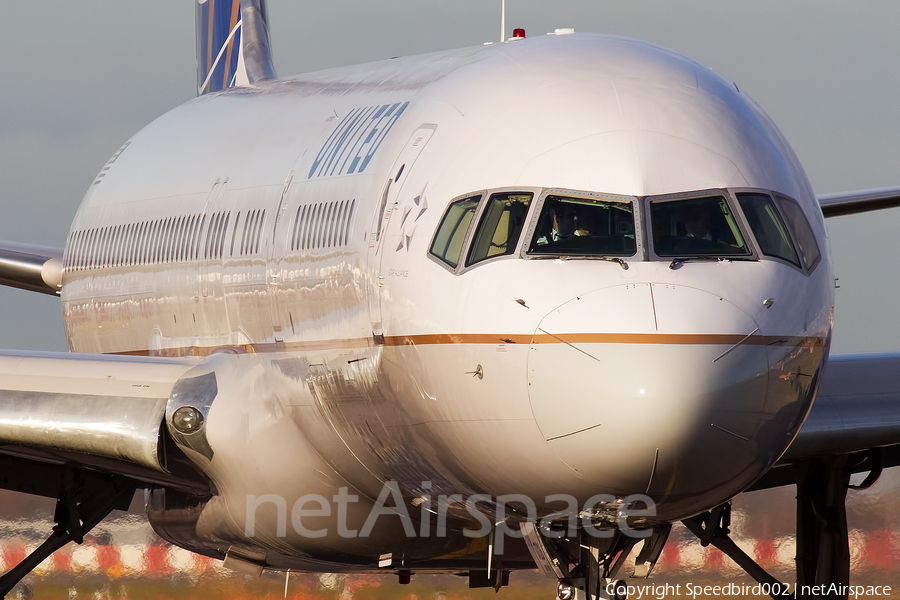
[(232, 44)]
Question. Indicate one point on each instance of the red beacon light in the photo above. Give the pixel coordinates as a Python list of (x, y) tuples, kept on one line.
[(518, 34)]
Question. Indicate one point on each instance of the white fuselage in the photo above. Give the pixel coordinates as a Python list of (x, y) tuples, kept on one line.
[(288, 227)]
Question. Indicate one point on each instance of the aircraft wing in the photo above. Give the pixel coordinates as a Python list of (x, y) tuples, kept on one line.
[(857, 410), (93, 413), (30, 267), (849, 203)]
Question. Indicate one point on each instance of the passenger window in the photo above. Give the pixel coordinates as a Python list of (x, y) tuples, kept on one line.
[(766, 224), (584, 227), (451, 233), (500, 227), (803, 233), (696, 227)]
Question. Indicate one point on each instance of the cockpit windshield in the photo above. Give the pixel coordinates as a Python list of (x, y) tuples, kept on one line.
[(500, 226), (696, 227), (584, 227), (733, 224), (767, 225)]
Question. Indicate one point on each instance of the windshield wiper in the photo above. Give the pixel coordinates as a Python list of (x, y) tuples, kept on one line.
[(614, 259), (621, 262), (722, 259)]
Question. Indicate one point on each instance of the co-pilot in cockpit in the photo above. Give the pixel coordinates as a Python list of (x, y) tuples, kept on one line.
[(698, 226), (584, 226)]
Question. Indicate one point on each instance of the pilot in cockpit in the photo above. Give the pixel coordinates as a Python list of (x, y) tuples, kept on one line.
[(565, 223), (697, 222)]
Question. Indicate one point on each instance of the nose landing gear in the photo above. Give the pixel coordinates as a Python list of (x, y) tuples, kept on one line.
[(586, 565)]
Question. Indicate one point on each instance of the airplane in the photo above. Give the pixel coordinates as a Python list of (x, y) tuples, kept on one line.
[(352, 287)]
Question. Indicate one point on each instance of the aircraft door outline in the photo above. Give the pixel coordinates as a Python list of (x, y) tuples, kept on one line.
[(213, 200), (381, 221), (274, 253)]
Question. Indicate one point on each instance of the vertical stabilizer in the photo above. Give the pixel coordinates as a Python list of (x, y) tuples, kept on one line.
[(232, 44)]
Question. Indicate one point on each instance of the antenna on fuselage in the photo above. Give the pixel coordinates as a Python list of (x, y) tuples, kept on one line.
[(502, 21)]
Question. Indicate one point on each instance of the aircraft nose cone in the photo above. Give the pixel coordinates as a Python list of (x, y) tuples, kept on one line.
[(651, 388)]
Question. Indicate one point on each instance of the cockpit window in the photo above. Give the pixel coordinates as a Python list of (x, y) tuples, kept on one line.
[(803, 233), (584, 227), (500, 226), (768, 228), (696, 227), (448, 241)]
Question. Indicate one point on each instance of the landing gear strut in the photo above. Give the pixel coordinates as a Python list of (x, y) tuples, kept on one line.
[(712, 527), (586, 565), (79, 508), (823, 549)]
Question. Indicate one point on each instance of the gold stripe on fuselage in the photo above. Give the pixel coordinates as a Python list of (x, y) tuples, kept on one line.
[(440, 339)]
